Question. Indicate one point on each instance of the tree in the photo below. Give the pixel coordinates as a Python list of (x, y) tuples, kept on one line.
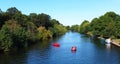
[(18, 30), (12, 10), (0, 11), (3, 18), (106, 25), (68, 27), (43, 20), (54, 22), (85, 27), (117, 29), (113, 15), (75, 28), (5, 39), (33, 17), (8, 15), (43, 34), (59, 30), (14, 36)]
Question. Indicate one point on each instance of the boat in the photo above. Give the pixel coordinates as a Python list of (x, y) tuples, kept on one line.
[(73, 48), (108, 41), (56, 44)]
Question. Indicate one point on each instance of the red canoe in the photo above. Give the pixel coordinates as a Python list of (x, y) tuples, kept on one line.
[(56, 44), (73, 48)]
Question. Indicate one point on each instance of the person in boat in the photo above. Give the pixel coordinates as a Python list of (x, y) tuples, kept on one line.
[(56, 44), (73, 48)]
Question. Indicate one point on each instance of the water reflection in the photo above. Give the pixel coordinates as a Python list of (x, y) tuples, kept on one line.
[(13, 58), (39, 53), (108, 46), (73, 51)]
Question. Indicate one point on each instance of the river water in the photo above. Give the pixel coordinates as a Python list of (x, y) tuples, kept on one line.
[(89, 51)]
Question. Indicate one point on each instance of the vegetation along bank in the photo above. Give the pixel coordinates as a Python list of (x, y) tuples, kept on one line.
[(18, 30), (105, 26)]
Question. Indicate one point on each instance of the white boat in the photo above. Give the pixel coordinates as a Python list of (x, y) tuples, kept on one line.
[(108, 41)]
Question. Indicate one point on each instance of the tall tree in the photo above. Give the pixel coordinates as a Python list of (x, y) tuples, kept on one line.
[(85, 27), (43, 20), (75, 28), (0, 11), (54, 22), (12, 10)]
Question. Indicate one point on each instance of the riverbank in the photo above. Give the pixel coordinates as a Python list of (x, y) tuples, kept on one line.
[(116, 42)]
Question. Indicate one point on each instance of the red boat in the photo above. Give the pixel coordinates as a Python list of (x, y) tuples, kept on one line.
[(73, 48), (56, 44)]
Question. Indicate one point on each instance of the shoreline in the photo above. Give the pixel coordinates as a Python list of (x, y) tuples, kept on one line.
[(116, 43)]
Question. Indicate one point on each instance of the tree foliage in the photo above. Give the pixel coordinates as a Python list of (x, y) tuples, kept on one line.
[(59, 30), (75, 28), (43, 34), (18, 30), (106, 25), (85, 27)]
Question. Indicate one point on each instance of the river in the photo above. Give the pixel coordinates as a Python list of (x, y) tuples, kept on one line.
[(89, 51)]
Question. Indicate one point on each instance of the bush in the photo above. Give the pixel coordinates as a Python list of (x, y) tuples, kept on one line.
[(43, 34)]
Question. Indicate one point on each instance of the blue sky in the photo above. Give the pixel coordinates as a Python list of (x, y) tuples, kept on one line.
[(68, 12)]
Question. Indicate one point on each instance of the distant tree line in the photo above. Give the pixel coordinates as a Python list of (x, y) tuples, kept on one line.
[(18, 30), (107, 26)]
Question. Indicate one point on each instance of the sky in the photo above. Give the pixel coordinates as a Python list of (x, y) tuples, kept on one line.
[(67, 12)]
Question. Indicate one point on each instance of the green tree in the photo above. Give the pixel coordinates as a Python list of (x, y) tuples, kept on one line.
[(59, 30), (43, 34), (0, 11), (5, 39), (106, 25), (3, 18), (18, 30), (85, 27), (75, 28), (54, 22), (33, 17), (12, 10), (43, 20), (13, 36)]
